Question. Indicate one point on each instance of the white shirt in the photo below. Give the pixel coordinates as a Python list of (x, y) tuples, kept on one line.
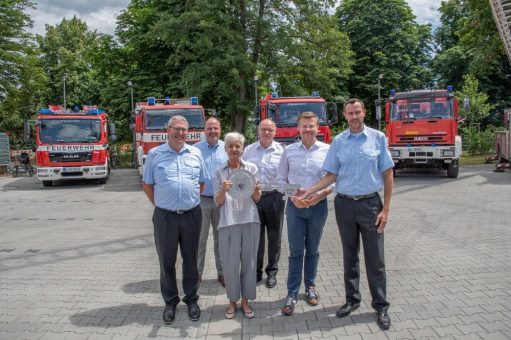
[(302, 166), (267, 161)]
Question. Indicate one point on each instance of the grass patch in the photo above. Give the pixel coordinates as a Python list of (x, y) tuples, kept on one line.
[(473, 159)]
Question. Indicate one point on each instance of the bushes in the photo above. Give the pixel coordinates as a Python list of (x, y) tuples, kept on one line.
[(478, 142)]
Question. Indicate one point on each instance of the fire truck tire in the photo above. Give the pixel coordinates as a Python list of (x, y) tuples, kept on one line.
[(102, 180), (47, 183), (452, 170)]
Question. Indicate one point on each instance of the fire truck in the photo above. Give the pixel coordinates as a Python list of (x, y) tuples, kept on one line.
[(422, 129), (152, 116), (284, 111), (72, 144)]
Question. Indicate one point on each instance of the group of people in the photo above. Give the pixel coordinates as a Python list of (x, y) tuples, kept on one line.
[(194, 188)]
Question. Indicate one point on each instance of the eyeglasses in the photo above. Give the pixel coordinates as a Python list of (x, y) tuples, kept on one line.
[(179, 129), (267, 130)]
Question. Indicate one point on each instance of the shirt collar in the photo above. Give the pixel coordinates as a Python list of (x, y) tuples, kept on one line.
[(226, 165), (185, 148), (260, 147), (347, 133), (312, 146)]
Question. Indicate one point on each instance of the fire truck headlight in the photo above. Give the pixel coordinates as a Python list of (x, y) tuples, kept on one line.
[(447, 153), (395, 153)]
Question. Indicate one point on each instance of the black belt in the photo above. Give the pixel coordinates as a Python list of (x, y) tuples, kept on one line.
[(358, 197), (269, 192), (178, 212)]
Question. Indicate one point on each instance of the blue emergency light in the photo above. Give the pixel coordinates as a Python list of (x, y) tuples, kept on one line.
[(151, 100), (46, 111), (274, 95), (392, 93), (194, 100), (315, 93), (449, 88), (167, 100)]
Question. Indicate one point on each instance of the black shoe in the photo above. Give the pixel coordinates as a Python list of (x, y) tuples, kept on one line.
[(193, 311), (271, 281), (346, 309), (383, 320), (169, 314)]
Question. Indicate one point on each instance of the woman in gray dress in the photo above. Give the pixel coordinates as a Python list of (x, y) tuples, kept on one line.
[(238, 230)]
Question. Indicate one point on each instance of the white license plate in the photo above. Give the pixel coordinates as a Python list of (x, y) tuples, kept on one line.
[(71, 169)]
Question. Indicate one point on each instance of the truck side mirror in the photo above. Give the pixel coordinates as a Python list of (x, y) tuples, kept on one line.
[(466, 103), (111, 128), (332, 107), (26, 132)]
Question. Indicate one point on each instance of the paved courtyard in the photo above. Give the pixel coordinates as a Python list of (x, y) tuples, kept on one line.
[(77, 261)]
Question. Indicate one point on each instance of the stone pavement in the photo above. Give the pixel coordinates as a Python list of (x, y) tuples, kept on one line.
[(77, 261)]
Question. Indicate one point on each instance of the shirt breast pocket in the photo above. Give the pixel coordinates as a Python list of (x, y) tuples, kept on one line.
[(370, 159), (191, 168)]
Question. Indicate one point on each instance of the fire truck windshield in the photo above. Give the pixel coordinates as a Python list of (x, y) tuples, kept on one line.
[(421, 109), (157, 119), (286, 114), (69, 130)]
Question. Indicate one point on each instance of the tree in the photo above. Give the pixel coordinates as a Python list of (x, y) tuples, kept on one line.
[(21, 77), (213, 49), (67, 51), (386, 40), (479, 107), (469, 44)]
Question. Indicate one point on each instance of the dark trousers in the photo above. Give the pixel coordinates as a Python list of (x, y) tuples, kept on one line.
[(355, 219), (170, 231), (271, 216)]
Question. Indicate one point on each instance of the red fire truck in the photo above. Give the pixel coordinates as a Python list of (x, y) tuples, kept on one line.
[(72, 144), (284, 111), (422, 129), (152, 116)]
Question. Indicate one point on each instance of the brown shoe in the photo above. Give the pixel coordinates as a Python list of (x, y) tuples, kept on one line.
[(289, 307), (221, 280), (311, 296)]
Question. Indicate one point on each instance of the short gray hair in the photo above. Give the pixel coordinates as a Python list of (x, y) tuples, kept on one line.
[(233, 137), (174, 118)]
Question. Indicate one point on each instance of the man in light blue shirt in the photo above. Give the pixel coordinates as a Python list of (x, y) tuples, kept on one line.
[(266, 154), (360, 164), (174, 176), (301, 164), (213, 152)]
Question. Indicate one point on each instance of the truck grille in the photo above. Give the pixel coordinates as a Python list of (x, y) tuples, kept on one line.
[(414, 139), (71, 157), (421, 154)]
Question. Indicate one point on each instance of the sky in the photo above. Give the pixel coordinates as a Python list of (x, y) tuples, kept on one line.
[(101, 15)]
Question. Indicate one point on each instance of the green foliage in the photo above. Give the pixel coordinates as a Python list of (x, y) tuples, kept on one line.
[(479, 106), (386, 40), (478, 142), (469, 43), (21, 77)]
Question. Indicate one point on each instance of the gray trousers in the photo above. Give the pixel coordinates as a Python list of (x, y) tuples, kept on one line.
[(210, 216), (238, 252)]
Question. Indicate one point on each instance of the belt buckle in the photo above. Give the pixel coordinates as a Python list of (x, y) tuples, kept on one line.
[(180, 212), (356, 198)]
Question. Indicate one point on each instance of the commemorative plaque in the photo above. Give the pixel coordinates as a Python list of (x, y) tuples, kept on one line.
[(243, 183)]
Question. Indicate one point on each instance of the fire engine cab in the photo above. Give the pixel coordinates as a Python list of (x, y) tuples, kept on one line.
[(72, 144), (422, 129), (152, 116), (284, 111)]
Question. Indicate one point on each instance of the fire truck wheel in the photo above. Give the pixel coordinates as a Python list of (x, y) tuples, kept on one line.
[(47, 183), (102, 180), (452, 170)]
